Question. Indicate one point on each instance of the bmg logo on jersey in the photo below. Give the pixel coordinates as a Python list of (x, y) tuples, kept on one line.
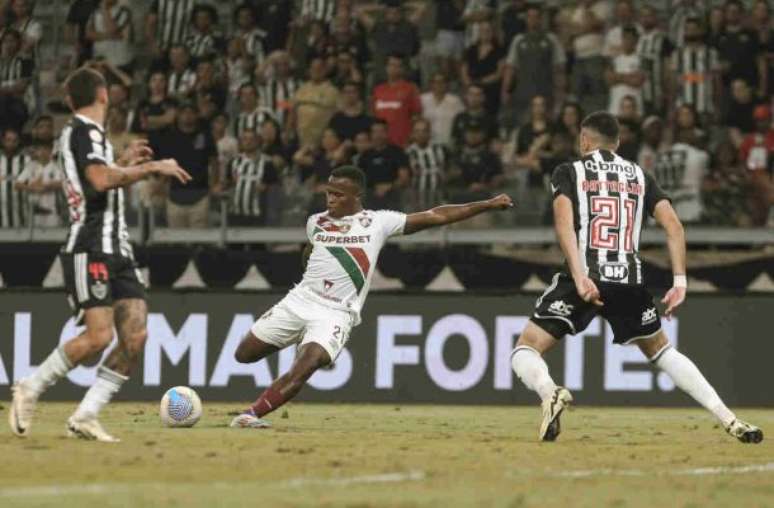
[(626, 170), (614, 271)]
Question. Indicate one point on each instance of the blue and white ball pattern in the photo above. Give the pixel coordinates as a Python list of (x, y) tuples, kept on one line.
[(180, 407)]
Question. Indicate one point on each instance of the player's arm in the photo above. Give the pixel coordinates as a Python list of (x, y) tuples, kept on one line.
[(667, 218), (103, 177), (564, 225), (306, 254), (449, 214)]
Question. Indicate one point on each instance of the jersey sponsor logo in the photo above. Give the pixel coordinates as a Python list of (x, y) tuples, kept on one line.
[(323, 238), (649, 316), (560, 308), (626, 170), (382, 104), (614, 271)]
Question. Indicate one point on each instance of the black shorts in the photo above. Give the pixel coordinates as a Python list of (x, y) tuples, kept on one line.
[(629, 310), (97, 280)]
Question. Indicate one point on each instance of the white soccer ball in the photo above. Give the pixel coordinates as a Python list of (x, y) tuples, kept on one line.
[(180, 407)]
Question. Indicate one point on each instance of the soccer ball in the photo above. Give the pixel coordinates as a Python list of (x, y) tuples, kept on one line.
[(180, 407)]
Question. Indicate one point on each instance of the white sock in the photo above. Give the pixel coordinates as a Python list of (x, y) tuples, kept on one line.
[(54, 368), (689, 379), (107, 384), (529, 365)]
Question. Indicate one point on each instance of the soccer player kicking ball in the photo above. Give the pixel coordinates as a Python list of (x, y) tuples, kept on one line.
[(599, 203), (322, 309), (104, 287)]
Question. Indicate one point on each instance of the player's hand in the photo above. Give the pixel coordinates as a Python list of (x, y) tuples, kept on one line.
[(673, 299), (169, 167), (501, 202), (138, 152), (588, 291)]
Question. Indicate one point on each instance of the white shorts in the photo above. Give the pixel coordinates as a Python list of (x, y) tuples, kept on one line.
[(296, 320)]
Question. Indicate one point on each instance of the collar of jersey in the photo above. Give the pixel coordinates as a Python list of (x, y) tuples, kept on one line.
[(88, 120)]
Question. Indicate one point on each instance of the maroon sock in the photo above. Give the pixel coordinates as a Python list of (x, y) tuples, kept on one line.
[(269, 400)]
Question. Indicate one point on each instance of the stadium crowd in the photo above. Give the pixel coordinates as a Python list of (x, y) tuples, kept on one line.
[(437, 101)]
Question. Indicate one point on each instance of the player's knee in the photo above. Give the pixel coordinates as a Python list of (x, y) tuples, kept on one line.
[(99, 339), (243, 353)]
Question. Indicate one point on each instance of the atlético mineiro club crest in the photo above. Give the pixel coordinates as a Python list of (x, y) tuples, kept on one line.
[(365, 221)]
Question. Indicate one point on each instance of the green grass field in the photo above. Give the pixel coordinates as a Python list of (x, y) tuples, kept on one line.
[(367, 455)]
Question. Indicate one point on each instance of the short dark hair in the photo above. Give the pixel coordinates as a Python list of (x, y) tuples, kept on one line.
[(380, 121), (82, 86), (351, 173), (43, 118), (603, 123), (248, 84)]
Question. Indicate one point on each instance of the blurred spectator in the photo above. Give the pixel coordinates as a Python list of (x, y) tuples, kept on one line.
[(274, 19), (346, 70), (29, 28), (654, 48), (476, 169), (652, 143), (345, 39), (157, 111), (475, 12), (193, 148), (762, 26), (386, 168), (272, 145), (313, 105), (167, 24), (396, 102), (726, 189), (536, 61), (13, 197), (440, 107), (513, 20), (16, 74), (587, 24), (392, 35), (757, 155), (253, 38), (739, 111), (474, 112), (740, 51), (351, 117), (249, 176), (625, 17), (625, 75), (629, 145), (318, 10), (681, 12), (362, 144), (119, 97), (117, 131), (316, 164), (429, 163), (696, 68), (239, 67), (570, 117), (314, 44), (208, 83), (629, 109), (226, 144), (77, 20), (181, 78), (42, 129), (450, 35), (484, 65), (534, 140), (41, 179), (687, 125), (203, 39), (277, 92), (251, 114), (716, 25), (111, 31), (680, 171)]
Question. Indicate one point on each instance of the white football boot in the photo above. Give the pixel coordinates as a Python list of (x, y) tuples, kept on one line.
[(22, 408), (249, 421), (745, 432), (552, 410), (89, 429)]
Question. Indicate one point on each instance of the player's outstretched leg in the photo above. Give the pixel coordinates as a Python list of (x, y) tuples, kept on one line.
[(688, 378), (529, 366), (130, 318), (311, 356), (98, 334)]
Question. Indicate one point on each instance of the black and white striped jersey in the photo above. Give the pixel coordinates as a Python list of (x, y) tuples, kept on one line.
[(322, 10), (695, 69), (277, 96), (174, 18), (97, 220), (255, 44), (202, 45), (610, 196), (180, 84), (653, 47), (248, 174), (428, 166), (252, 120), (13, 202)]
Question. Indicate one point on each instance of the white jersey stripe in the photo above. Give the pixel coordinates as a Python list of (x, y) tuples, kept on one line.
[(602, 177), (107, 224), (74, 181), (583, 214), (638, 222)]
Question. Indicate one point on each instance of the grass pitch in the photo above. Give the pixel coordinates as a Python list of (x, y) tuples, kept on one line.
[(386, 455)]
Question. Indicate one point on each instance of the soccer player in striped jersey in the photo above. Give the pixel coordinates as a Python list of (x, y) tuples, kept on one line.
[(320, 312), (104, 287), (600, 201)]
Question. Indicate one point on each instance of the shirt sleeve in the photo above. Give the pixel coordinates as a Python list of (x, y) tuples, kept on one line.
[(562, 181), (310, 226), (558, 55), (391, 223), (653, 194), (89, 145), (513, 55)]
